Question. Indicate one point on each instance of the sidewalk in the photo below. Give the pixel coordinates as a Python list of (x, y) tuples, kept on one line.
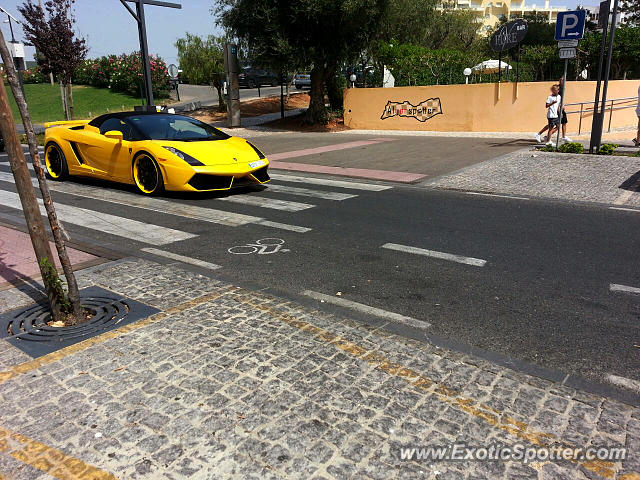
[(18, 261), (222, 382)]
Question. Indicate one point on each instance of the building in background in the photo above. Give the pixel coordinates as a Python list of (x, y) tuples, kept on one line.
[(490, 12), (593, 15)]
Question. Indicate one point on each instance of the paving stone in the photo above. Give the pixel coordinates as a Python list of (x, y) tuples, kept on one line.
[(251, 394)]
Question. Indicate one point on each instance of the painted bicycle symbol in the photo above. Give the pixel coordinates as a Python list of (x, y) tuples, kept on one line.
[(264, 246)]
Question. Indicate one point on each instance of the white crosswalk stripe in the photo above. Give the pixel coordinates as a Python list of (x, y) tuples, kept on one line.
[(160, 205), (158, 235), (372, 187), (264, 202), (306, 192), (104, 222)]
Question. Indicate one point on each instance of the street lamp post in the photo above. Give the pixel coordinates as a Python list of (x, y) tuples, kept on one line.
[(17, 49)]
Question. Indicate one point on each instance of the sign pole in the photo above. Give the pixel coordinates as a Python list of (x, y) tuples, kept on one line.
[(606, 73), (138, 16), (596, 122), (144, 52), (561, 108)]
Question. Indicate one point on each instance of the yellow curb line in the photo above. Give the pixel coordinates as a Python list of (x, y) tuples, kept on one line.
[(48, 459), (441, 391), (78, 347)]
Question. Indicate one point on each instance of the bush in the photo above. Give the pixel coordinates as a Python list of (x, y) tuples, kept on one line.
[(33, 75), (548, 148), (607, 148), (571, 147), (123, 73)]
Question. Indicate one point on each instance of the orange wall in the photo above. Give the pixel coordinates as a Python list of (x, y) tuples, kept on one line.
[(477, 108)]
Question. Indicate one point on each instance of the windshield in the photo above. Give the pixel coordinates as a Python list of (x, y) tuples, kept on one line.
[(174, 127)]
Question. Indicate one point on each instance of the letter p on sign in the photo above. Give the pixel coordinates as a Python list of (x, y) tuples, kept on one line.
[(570, 25)]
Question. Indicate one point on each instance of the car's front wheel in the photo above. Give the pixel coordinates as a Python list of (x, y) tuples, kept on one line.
[(147, 175), (55, 162)]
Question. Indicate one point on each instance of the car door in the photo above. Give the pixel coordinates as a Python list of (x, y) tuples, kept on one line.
[(106, 157)]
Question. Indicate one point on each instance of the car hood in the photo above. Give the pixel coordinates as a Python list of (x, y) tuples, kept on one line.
[(233, 150)]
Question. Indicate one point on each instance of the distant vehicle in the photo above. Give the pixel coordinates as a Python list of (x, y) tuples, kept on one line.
[(302, 80), (252, 78)]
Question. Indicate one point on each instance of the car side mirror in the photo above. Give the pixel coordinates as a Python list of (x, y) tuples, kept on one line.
[(114, 135)]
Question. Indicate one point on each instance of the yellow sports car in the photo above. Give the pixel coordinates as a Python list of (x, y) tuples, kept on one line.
[(154, 152)]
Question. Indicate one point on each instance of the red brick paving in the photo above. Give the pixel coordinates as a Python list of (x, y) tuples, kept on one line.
[(17, 259)]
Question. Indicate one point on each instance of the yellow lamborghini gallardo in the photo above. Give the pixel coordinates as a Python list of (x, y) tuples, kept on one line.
[(154, 152)]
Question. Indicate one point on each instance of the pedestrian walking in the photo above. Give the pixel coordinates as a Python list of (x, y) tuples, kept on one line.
[(553, 121), (563, 121)]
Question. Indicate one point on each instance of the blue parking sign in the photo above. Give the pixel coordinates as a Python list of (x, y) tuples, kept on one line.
[(570, 25)]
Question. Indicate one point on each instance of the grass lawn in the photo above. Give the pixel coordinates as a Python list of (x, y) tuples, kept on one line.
[(45, 104)]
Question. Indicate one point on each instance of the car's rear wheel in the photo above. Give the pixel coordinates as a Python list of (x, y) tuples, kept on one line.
[(251, 83), (55, 162), (147, 175)]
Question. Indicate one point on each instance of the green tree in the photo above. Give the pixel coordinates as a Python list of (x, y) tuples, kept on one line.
[(540, 58), (631, 8), (202, 61), (626, 51), (322, 33)]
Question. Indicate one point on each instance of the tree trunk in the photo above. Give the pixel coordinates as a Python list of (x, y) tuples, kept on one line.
[(51, 78), (56, 228), (317, 111), (70, 99), (335, 93), (63, 96), (28, 200)]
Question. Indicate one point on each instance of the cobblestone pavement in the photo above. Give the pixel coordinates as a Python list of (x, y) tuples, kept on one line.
[(561, 176), (228, 383)]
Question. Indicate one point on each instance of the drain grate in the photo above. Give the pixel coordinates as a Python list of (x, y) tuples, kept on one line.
[(27, 328)]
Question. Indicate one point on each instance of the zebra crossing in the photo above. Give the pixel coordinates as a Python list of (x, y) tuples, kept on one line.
[(286, 194)]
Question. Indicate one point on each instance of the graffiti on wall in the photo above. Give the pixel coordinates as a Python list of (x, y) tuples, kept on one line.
[(422, 112)]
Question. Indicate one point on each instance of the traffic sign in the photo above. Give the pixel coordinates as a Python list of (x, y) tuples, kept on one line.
[(567, 43), (173, 71), (570, 25), (566, 53)]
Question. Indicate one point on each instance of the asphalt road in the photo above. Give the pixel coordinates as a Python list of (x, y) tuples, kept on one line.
[(543, 296)]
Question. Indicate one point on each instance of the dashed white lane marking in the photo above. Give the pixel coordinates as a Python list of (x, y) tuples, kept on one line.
[(476, 262), (614, 287), (264, 202), (361, 307), (624, 197), (627, 383), (306, 192), (159, 205), (103, 222), (625, 209), (496, 195), (182, 258), (330, 183)]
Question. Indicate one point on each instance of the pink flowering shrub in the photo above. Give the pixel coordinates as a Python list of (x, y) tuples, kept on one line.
[(123, 73), (33, 75)]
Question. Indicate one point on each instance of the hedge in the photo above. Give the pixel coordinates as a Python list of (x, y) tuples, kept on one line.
[(123, 73)]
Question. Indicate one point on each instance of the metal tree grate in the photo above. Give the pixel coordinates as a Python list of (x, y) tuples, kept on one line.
[(27, 328)]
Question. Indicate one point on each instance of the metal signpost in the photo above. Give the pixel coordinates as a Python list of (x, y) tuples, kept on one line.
[(138, 15), (569, 29), (598, 111), (174, 71), (233, 69)]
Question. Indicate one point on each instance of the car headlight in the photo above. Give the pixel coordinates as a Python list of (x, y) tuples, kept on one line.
[(260, 154), (183, 156)]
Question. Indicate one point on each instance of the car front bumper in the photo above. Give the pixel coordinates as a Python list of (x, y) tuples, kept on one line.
[(214, 178)]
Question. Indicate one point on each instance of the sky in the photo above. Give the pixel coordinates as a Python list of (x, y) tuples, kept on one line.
[(109, 28)]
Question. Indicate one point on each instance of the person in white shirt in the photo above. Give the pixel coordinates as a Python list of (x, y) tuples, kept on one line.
[(636, 141), (553, 121), (563, 120)]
